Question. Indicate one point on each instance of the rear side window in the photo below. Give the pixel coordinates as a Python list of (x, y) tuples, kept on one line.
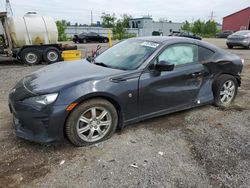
[(204, 54)]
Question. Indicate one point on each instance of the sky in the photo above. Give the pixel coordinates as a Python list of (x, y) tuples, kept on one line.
[(174, 10)]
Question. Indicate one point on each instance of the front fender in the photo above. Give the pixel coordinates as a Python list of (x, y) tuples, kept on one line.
[(122, 94)]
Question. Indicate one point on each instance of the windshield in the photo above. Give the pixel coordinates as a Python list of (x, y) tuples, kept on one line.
[(127, 55), (242, 33)]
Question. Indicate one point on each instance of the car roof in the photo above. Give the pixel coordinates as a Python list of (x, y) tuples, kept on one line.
[(172, 39)]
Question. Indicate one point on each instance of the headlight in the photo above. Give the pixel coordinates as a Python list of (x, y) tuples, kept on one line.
[(42, 100), (242, 61)]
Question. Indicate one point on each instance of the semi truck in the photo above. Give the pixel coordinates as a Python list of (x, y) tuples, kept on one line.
[(30, 39)]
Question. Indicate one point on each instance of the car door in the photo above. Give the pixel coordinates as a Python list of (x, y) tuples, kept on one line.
[(161, 92), (94, 37)]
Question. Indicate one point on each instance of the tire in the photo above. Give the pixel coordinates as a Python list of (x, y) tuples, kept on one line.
[(51, 55), (224, 97), (230, 46), (247, 47), (31, 56), (86, 131), (105, 40), (84, 41)]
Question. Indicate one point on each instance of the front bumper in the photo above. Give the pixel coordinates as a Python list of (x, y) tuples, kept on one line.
[(44, 126), (238, 43)]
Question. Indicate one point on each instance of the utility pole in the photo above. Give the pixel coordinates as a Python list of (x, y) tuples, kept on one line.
[(8, 8), (91, 17), (212, 16)]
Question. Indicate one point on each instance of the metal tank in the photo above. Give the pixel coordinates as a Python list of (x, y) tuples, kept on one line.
[(32, 29)]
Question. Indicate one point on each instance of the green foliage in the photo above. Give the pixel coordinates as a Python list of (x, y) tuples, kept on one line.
[(108, 20), (210, 28), (205, 29), (198, 27), (125, 36), (61, 27), (186, 26), (119, 31), (125, 20)]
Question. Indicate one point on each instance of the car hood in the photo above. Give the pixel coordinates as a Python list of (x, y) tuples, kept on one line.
[(54, 77)]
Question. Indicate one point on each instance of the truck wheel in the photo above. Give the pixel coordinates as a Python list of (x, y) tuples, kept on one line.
[(31, 56), (92, 121), (51, 55)]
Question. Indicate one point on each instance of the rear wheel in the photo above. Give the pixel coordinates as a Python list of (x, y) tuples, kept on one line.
[(230, 46), (225, 89), (31, 56), (84, 41), (51, 55), (92, 121)]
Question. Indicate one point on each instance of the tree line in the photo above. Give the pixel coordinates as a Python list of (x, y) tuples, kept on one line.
[(205, 29)]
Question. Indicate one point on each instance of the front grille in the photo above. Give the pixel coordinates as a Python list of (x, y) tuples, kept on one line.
[(236, 39)]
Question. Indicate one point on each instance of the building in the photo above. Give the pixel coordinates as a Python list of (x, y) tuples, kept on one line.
[(148, 27), (237, 21)]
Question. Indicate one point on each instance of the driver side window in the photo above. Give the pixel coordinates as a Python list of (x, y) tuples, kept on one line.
[(179, 54)]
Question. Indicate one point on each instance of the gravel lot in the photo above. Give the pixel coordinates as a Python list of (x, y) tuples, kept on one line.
[(201, 147)]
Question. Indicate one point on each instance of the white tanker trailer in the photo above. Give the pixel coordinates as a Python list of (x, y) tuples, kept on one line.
[(31, 39)]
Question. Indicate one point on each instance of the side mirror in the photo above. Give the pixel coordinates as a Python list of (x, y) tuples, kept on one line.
[(98, 47), (164, 66), (95, 53)]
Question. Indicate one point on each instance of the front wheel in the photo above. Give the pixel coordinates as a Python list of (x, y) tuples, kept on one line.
[(230, 46), (247, 47), (225, 89), (91, 122)]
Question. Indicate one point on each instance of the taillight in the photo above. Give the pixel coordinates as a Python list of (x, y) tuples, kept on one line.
[(243, 61)]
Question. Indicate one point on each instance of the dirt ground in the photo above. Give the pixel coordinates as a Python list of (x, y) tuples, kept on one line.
[(201, 147)]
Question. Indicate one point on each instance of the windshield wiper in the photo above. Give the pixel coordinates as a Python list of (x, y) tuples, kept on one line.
[(105, 65), (101, 64)]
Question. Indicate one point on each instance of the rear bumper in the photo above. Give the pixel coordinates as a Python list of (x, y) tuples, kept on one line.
[(45, 126)]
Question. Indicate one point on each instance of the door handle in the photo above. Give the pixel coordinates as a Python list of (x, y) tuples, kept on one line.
[(196, 74)]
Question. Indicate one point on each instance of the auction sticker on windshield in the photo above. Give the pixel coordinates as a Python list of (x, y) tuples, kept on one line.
[(150, 44)]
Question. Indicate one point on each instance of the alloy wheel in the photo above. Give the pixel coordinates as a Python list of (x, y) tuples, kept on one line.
[(94, 124), (227, 92)]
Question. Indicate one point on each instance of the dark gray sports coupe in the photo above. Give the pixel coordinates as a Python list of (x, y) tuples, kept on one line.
[(87, 100)]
